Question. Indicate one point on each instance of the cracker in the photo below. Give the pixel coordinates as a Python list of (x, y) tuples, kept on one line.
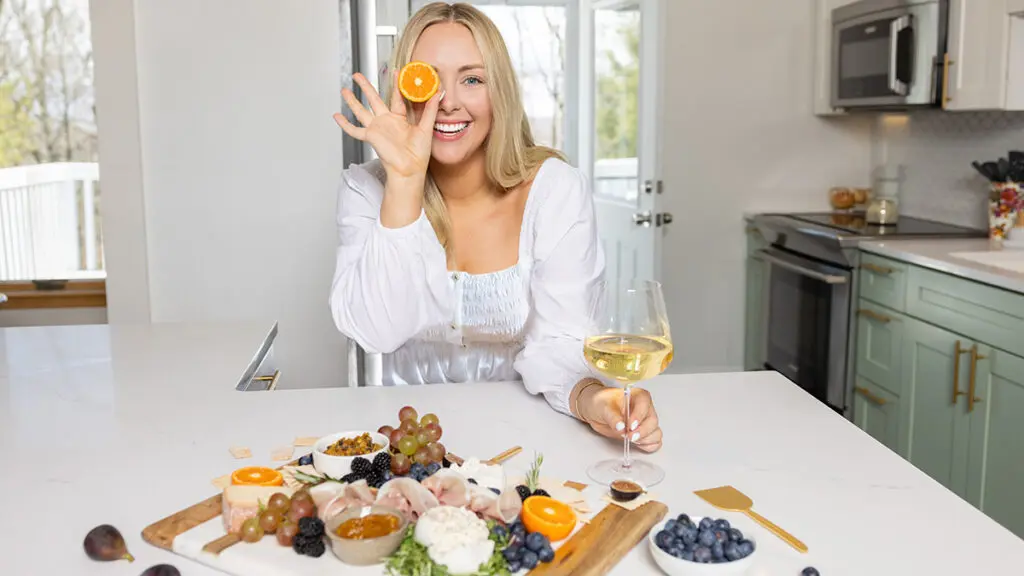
[(222, 482), (632, 504), (282, 454), (240, 452), (305, 441)]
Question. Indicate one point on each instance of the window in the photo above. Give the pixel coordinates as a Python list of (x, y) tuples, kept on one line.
[(535, 35), (49, 177)]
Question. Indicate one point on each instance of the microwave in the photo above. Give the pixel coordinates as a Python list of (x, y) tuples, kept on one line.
[(889, 53)]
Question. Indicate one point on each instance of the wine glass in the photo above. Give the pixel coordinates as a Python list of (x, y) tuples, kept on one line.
[(628, 342)]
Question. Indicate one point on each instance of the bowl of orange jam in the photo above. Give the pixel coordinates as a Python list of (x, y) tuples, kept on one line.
[(366, 535)]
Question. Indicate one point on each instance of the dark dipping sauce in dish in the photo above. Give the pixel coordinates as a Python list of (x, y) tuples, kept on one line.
[(370, 526)]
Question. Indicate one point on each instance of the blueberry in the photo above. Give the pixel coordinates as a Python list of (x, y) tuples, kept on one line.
[(472, 480), (664, 540), (432, 468), (735, 535), (518, 530), (722, 524), (546, 554), (721, 536), (511, 553), (702, 555), (706, 538), (306, 460), (732, 551), (746, 548), (717, 552), (671, 526), (687, 555), (535, 541), (514, 566), (529, 559), (689, 535), (417, 469), (499, 531), (706, 524), (676, 550), (810, 571), (684, 520), (496, 491)]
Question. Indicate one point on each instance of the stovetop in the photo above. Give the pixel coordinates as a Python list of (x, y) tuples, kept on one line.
[(855, 223)]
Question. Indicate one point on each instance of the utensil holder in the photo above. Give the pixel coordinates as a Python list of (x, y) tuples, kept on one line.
[(1005, 204)]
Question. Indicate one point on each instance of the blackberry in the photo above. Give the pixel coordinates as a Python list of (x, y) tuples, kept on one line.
[(375, 479), (541, 492), (381, 462), (361, 466), (523, 491), (810, 571), (309, 545), (312, 527), (350, 478)]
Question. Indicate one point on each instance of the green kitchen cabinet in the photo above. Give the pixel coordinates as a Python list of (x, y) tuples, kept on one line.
[(934, 425), (880, 345), (756, 313), (995, 479), (877, 412)]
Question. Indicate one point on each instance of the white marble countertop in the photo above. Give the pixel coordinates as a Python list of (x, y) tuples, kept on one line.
[(126, 425), (940, 255)]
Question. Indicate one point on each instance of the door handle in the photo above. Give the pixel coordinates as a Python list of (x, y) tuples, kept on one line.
[(971, 398), (956, 371), (946, 63), (663, 218), (642, 219), (871, 396), (874, 315)]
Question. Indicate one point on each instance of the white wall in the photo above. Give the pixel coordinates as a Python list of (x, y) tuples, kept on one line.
[(739, 135), (240, 160)]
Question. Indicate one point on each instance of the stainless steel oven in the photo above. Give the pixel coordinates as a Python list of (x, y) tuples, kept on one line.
[(808, 323), (888, 53)]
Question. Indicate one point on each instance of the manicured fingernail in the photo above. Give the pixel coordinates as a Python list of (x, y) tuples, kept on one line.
[(442, 95), (634, 425), (635, 437), (620, 426)]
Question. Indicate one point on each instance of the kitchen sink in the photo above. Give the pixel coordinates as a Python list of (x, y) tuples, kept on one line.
[(1011, 260)]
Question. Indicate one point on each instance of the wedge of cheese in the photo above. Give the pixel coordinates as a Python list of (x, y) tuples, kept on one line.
[(239, 503)]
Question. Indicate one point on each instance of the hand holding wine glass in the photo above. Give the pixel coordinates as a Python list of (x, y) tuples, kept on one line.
[(629, 342)]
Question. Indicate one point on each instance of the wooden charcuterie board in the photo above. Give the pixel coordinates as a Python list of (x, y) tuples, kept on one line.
[(597, 547)]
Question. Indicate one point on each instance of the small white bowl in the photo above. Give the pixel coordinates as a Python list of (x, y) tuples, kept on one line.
[(338, 466), (678, 567)]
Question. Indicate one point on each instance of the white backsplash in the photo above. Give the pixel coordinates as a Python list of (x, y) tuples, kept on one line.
[(936, 149)]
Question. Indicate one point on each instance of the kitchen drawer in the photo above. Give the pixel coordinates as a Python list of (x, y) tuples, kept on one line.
[(990, 315), (880, 346), (883, 281)]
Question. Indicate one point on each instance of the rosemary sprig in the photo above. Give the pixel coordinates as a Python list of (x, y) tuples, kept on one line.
[(533, 476)]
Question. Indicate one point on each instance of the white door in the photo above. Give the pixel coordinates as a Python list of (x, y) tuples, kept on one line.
[(620, 40)]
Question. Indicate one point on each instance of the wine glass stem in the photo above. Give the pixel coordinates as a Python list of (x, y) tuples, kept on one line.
[(626, 462)]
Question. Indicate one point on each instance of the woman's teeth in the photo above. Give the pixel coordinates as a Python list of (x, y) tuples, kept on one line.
[(450, 128)]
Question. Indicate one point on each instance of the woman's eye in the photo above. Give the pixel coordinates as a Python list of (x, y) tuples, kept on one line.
[(472, 80)]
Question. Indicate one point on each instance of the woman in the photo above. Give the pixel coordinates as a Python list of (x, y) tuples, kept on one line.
[(468, 253)]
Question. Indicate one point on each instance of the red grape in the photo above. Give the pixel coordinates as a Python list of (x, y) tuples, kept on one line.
[(396, 437), (434, 430), (385, 430), (286, 532), (408, 413), (269, 520), (400, 464), (279, 503), (429, 419), (423, 438), (409, 427), (437, 451), (422, 456), (301, 509)]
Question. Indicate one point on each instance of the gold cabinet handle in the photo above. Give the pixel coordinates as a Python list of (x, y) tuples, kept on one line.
[(876, 268), (956, 371), (874, 315), (971, 398), (946, 63), (871, 396)]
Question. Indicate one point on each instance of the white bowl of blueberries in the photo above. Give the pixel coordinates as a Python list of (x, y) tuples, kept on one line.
[(684, 546)]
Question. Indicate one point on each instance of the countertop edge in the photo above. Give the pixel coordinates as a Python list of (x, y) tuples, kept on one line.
[(966, 269)]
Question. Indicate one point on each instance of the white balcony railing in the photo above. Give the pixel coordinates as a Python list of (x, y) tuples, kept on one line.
[(48, 227)]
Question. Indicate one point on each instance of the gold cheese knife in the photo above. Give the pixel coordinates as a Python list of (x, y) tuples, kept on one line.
[(732, 500)]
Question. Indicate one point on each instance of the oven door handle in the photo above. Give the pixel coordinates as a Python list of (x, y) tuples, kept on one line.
[(802, 270), (899, 53)]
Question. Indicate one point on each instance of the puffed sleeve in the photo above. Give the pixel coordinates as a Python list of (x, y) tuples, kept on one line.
[(389, 283), (568, 263)]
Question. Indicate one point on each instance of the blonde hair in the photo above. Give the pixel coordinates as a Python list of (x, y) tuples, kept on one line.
[(511, 154)]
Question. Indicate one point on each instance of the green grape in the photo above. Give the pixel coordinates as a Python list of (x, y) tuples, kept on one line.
[(251, 530), (423, 438), (409, 427), (429, 419), (408, 445)]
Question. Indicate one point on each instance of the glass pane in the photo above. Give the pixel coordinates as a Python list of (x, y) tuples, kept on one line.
[(616, 96), (535, 37)]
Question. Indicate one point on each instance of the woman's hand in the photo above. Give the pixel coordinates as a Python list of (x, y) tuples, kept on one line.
[(403, 147), (603, 408)]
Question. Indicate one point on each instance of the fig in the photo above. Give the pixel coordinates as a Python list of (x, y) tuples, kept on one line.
[(105, 543), (161, 570)]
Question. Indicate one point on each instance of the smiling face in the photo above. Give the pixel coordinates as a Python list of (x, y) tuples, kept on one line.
[(464, 118)]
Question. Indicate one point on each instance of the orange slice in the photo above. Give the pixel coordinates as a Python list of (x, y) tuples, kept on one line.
[(418, 81), (257, 476), (548, 516)]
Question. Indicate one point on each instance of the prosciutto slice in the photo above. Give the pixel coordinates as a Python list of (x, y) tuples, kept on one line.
[(355, 494), (486, 503), (450, 487), (408, 496)]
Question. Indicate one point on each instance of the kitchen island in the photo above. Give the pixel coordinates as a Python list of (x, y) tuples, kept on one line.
[(125, 425)]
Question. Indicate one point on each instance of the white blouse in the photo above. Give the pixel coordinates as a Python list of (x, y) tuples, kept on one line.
[(393, 294)]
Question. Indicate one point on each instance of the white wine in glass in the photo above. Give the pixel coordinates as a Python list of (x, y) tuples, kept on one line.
[(629, 342)]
